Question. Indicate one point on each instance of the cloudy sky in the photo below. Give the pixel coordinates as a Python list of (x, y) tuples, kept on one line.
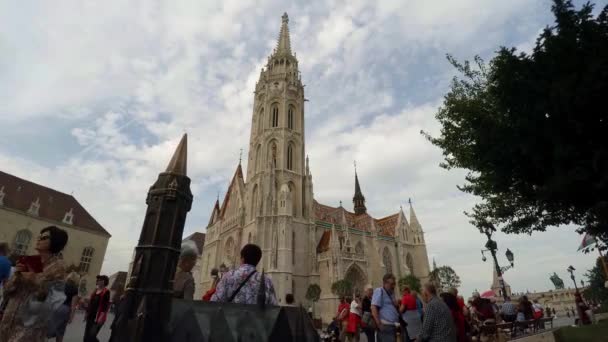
[(95, 95)]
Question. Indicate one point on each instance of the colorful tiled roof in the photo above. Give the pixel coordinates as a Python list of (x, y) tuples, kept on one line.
[(386, 225), (323, 244), (20, 193)]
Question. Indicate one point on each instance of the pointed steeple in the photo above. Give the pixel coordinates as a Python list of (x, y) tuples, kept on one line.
[(216, 212), (413, 219), (283, 43), (178, 162), (358, 199)]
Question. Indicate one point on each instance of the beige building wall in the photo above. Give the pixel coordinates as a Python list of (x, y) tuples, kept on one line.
[(12, 221)]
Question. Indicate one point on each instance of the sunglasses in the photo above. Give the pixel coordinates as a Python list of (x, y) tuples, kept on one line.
[(43, 237)]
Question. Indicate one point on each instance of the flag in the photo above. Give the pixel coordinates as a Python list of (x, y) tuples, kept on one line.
[(588, 240)]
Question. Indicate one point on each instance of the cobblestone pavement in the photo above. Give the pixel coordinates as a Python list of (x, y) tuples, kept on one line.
[(75, 331)]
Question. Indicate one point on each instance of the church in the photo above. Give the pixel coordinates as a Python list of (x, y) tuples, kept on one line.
[(272, 204)]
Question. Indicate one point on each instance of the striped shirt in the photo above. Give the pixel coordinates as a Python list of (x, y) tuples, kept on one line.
[(438, 325)]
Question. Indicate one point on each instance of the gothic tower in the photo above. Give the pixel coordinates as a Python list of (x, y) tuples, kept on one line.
[(279, 185)]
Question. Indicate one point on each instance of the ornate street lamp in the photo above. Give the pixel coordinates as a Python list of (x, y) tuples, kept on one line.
[(492, 247), (510, 256), (571, 270)]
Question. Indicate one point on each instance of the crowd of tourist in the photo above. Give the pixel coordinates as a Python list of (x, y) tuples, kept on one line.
[(38, 300)]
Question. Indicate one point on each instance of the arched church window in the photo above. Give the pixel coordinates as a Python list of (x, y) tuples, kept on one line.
[(293, 248), (229, 250), (290, 117), (290, 157), (274, 119), (261, 121), (387, 260), (258, 158), (409, 261), (359, 249), (249, 238), (85, 259), (22, 242), (254, 201)]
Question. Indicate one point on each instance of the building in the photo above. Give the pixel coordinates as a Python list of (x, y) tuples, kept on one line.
[(26, 208), (561, 300), (199, 240), (273, 205)]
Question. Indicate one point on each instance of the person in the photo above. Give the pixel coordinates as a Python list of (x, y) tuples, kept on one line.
[(451, 300), (385, 310), (289, 300), (438, 325), (366, 318), (5, 272), (537, 309), (333, 329), (243, 284), (409, 313), (26, 317), (581, 308), (97, 312), (419, 305), (183, 284), (508, 311), (214, 275), (342, 316), (525, 308), (354, 320), (64, 315), (120, 310), (484, 309)]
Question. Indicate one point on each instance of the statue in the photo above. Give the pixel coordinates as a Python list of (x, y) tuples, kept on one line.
[(557, 281)]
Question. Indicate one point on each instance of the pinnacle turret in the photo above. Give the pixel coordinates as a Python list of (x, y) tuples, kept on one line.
[(284, 43), (178, 163), (358, 199)]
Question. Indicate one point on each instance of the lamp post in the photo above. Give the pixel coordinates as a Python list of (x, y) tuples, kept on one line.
[(571, 271), (492, 247)]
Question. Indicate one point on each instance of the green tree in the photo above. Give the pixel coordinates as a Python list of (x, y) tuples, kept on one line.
[(595, 281), (445, 278), (342, 288), (313, 293), (410, 281), (531, 128)]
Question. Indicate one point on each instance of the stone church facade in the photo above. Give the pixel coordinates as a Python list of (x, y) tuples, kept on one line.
[(272, 205)]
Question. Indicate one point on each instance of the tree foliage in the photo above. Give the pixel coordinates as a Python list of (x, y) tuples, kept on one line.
[(445, 278), (410, 281), (531, 128), (313, 293), (595, 280), (342, 288)]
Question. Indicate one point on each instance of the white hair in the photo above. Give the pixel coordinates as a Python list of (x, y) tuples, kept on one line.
[(189, 250)]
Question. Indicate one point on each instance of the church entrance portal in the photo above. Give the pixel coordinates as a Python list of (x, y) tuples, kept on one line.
[(357, 278)]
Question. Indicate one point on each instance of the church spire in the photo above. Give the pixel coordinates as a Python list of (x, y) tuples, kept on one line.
[(358, 199), (413, 219), (283, 43), (178, 162)]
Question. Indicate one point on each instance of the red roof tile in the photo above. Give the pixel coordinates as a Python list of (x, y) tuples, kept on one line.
[(20, 193), (386, 225)]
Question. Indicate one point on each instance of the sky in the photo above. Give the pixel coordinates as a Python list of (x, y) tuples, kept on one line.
[(94, 97)]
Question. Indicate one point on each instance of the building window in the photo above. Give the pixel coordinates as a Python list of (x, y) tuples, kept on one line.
[(34, 207), (274, 119), (2, 194), (22, 242), (82, 288), (85, 259), (290, 117), (261, 121), (387, 259), (68, 218), (290, 157), (293, 248)]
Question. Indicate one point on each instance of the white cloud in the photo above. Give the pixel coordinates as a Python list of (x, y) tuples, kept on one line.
[(129, 77)]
